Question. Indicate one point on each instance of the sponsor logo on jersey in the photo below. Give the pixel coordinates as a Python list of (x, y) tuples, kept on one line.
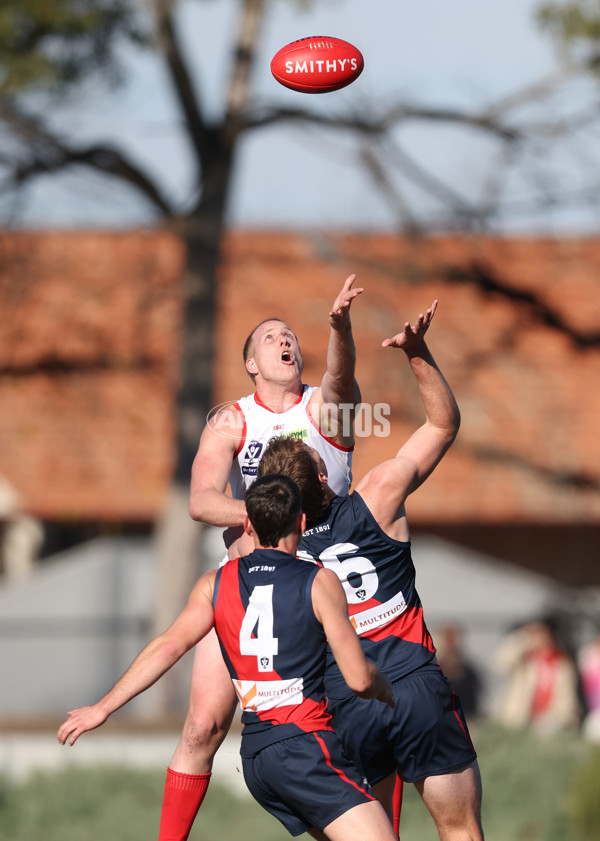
[(266, 694), (296, 433), (378, 616), (251, 458)]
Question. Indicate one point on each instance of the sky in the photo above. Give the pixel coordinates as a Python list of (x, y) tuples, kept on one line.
[(465, 54)]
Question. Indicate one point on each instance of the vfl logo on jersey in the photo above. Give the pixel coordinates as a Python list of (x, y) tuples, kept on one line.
[(251, 458)]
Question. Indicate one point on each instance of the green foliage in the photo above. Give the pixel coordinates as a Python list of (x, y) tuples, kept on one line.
[(49, 43), (534, 789), (120, 804), (525, 788), (82, 804), (526, 779), (584, 799), (574, 25)]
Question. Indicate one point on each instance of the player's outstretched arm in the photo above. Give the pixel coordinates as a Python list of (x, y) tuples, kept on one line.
[(193, 623), (210, 471), (331, 609), (385, 488), (338, 386)]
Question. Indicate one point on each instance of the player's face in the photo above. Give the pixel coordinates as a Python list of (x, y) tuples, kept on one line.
[(276, 356)]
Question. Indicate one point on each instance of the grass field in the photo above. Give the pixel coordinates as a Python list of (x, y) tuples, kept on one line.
[(533, 791)]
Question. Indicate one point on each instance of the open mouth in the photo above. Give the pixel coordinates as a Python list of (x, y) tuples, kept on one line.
[(286, 356)]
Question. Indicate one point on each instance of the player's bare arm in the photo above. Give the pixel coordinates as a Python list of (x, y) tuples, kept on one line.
[(209, 503), (192, 624), (339, 386), (331, 609), (385, 488)]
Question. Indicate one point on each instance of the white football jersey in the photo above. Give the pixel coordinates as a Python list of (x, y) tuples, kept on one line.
[(261, 424)]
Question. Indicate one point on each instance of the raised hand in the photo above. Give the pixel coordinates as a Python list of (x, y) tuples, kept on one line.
[(340, 312), (411, 338)]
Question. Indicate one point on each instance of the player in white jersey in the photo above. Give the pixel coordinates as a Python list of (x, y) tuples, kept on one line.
[(261, 424), (228, 453)]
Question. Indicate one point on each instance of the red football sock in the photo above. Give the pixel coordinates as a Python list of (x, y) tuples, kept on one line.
[(182, 798), (398, 791)]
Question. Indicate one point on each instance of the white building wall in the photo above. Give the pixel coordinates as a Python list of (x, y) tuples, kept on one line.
[(69, 631)]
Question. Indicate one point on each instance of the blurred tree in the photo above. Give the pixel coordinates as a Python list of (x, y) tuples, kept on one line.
[(575, 25), (48, 47), (31, 33)]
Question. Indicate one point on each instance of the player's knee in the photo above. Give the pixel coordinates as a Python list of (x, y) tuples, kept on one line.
[(202, 731)]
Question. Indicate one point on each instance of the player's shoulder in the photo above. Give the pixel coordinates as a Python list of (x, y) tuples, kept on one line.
[(244, 404), (226, 416), (326, 576), (204, 587), (312, 394), (326, 585), (223, 432)]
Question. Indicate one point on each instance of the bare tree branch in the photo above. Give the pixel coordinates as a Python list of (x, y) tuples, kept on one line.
[(534, 92), (479, 274), (434, 186), (372, 161), (238, 97), (494, 184), (181, 79), (380, 124), (49, 153)]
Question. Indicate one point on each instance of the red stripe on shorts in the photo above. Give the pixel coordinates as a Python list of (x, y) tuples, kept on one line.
[(338, 771), (456, 715)]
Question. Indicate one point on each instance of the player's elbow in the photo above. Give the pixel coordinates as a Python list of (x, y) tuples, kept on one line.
[(452, 431), (171, 650), (454, 423), (363, 684), (197, 508), (364, 689), (448, 429)]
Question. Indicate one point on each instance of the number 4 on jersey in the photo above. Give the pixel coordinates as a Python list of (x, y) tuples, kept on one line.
[(256, 633)]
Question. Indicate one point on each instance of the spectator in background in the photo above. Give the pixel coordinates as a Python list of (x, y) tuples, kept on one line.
[(461, 673), (589, 670), (541, 692)]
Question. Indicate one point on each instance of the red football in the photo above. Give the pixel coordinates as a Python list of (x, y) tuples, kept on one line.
[(317, 65)]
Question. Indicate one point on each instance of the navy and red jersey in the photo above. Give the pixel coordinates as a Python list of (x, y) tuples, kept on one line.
[(273, 646), (378, 577)]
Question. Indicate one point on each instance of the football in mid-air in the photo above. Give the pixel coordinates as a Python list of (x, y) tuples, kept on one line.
[(317, 65)]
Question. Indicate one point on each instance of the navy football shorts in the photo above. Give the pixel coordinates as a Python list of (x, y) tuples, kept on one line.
[(424, 735), (305, 781)]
